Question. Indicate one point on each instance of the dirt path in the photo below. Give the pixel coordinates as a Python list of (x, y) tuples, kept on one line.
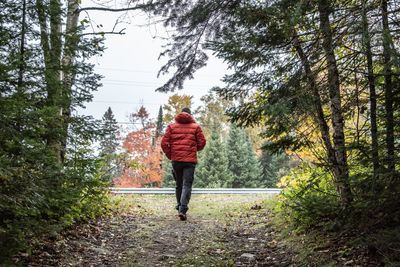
[(221, 230)]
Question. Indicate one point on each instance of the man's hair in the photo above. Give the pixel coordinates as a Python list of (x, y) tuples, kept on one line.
[(187, 110)]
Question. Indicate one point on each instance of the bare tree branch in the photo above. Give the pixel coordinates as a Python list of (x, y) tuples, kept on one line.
[(141, 6), (121, 32)]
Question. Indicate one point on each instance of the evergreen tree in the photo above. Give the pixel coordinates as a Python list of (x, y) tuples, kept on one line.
[(252, 175), (168, 178), (273, 167), (109, 138), (109, 144), (213, 164), (49, 175), (236, 154), (159, 123)]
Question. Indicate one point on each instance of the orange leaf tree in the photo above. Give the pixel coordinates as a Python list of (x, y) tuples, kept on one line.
[(142, 166)]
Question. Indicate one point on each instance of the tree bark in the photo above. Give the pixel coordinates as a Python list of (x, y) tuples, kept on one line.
[(20, 93), (372, 90), (51, 46), (67, 73), (341, 171), (388, 87), (320, 118), (59, 66), (21, 63)]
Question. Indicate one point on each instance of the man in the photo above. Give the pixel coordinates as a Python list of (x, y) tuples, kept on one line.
[(180, 144)]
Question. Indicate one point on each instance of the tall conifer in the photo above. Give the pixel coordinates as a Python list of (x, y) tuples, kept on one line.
[(252, 173), (236, 157), (109, 140), (160, 123), (213, 167), (273, 167), (109, 144)]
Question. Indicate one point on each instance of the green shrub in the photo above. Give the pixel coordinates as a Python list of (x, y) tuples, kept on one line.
[(39, 197), (309, 197)]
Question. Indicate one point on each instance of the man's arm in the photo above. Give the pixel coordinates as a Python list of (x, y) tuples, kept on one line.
[(165, 142), (200, 139)]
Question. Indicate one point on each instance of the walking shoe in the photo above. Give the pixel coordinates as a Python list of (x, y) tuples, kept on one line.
[(182, 216)]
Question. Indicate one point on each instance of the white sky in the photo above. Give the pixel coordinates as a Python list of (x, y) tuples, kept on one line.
[(130, 65)]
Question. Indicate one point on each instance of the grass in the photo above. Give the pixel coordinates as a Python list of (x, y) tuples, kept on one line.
[(223, 206), (204, 206)]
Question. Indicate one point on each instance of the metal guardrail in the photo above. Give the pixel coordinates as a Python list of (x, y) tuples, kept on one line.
[(119, 190)]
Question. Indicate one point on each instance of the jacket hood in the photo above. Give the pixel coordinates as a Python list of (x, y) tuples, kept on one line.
[(184, 118)]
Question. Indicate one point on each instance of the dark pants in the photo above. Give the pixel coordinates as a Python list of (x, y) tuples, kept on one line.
[(183, 174)]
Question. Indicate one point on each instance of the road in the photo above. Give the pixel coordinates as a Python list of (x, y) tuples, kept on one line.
[(166, 191)]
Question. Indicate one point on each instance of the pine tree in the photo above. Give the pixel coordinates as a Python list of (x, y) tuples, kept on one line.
[(273, 167), (46, 150), (236, 152), (252, 175), (109, 139), (213, 167), (108, 145), (242, 161), (159, 123)]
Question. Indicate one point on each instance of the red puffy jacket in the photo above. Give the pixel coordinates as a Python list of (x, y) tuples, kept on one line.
[(183, 139)]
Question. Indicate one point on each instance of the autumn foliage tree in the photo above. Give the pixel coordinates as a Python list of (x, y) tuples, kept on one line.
[(175, 105), (142, 164)]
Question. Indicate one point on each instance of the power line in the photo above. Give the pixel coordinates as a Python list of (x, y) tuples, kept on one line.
[(127, 70), (145, 71), (149, 86), (130, 81), (126, 102), (129, 122), (126, 82)]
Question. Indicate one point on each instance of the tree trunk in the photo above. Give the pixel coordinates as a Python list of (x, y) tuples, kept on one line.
[(341, 171), (320, 118), (21, 63), (67, 74), (59, 67), (20, 93), (51, 46), (372, 90), (388, 87)]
